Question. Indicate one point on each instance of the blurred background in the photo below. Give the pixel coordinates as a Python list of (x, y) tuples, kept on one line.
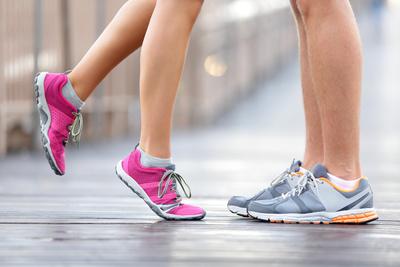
[(237, 46), (239, 106), (238, 123)]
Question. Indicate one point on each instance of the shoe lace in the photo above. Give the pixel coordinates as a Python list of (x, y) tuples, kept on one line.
[(281, 177), (284, 175), (75, 129), (308, 178), (172, 177)]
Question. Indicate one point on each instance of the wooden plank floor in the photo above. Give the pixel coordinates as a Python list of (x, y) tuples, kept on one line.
[(89, 218)]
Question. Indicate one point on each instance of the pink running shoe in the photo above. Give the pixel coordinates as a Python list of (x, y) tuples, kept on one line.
[(59, 119), (158, 188)]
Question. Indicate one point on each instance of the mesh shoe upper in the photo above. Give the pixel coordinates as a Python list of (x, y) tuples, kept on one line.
[(62, 116), (316, 195), (162, 191), (282, 184)]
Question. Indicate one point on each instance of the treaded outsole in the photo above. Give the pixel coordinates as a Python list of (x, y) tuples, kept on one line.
[(346, 219), (154, 209), (238, 214), (241, 215), (43, 137)]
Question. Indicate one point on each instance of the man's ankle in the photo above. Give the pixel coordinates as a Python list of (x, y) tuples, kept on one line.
[(309, 162), (344, 171)]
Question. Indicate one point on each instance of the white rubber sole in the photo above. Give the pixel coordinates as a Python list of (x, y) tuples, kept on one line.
[(45, 120), (238, 210), (358, 216), (138, 190)]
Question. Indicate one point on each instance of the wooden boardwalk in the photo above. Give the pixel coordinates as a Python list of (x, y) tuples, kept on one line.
[(89, 218)]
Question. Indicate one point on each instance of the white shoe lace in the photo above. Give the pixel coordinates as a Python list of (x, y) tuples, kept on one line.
[(284, 175), (75, 130), (308, 178), (172, 177)]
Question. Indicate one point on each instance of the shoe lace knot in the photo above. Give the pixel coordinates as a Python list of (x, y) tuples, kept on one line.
[(280, 178), (169, 177), (285, 175), (307, 179), (288, 173)]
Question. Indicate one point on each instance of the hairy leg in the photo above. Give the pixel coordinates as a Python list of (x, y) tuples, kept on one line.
[(162, 58), (336, 64), (122, 36), (314, 151)]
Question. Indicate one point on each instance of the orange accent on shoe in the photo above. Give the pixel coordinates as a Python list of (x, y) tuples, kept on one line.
[(356, 218), (360, 218), (341, 189)]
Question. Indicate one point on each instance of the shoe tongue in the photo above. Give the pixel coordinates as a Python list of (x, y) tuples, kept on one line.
[(171, 167), (295, 167), (319, 171)]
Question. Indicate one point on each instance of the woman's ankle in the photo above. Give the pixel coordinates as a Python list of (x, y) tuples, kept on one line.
[(81, 90), (156, 149)]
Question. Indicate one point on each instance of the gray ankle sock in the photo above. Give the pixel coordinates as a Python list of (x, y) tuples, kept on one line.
[(70, 94), (149, 161)]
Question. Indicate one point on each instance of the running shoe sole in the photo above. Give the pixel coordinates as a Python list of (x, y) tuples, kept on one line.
[(45, 120), (238, 210), (359, 216), (137, 189)]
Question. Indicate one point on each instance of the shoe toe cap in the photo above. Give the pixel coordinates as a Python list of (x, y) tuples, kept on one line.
[(238, 201), (187, 211), (262, 206)]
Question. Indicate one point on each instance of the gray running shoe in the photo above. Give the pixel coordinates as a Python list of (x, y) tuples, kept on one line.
[(285, 182), (318, 200)]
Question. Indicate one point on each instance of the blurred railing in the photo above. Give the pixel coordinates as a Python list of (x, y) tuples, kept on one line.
[(236, 45)]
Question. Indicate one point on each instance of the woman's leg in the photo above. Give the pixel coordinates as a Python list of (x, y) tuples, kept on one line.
[(59, 98), (148, 170), (122, 36), (334, 49), (314, 151), (162, 58)]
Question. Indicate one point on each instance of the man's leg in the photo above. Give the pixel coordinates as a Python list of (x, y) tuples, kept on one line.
[(335, 67), (335, 59), (314, 151), (162, 58), (122, 36)]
